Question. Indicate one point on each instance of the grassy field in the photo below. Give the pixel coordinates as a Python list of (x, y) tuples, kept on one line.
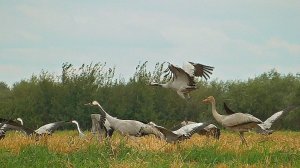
[(66, 149)]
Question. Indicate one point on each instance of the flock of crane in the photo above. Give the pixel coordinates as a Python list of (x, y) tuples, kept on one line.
[(182, 80)]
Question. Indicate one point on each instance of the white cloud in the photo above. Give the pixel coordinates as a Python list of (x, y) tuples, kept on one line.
[(276, 43)]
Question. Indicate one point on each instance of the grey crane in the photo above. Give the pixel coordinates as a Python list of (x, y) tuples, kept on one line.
[(96, 127), (182, 133), (182, 80), (51, 127), (210, 130), (81, 134), (7, 127), (267, 124), (10, 124), (45, 129), (125, 127), (238, 122)]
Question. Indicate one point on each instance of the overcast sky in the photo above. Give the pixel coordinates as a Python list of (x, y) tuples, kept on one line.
[(241, 39)]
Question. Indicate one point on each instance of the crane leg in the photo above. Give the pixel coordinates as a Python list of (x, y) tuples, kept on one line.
[(243, 138)]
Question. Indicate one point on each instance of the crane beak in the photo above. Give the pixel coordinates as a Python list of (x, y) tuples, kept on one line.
[(88, 104), (205, 101)]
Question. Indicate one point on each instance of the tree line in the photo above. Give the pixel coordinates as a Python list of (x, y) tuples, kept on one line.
[(47, 97)]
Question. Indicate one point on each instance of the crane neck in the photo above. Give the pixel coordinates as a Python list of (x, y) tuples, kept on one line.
[(78, 128), (111, 120), (216, 115)]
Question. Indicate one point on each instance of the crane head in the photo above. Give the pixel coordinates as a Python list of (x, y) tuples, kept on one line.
[(93, 103), (74, 121), (21, 121), (209, 99), (152, 123)]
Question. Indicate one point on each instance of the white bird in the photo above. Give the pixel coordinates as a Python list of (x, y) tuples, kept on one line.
[(182, 79), (182, 133), (210, 130), (81, 134), (96, 125), (238, 122), (267, 124), (125, 127)]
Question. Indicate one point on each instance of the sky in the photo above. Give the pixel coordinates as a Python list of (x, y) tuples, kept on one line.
[(241, 39)]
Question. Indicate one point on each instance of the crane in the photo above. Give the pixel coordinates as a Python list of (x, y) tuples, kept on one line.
[(182, 133), (182, 80), (267, 124), (238, 122), (125, 127)]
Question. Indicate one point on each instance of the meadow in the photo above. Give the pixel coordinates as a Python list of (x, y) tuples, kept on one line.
[(66, 149)]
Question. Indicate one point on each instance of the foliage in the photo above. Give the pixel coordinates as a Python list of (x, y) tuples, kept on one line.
[(46, 98)]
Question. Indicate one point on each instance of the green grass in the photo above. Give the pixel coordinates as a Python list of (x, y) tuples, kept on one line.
[(122, 155), (102, 156)]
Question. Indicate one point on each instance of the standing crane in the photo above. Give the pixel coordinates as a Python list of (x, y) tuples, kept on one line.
[(125, 127), (238, 122), (267, 124), (182, 80)]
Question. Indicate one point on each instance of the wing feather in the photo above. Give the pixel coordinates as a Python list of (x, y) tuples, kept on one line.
[(227, 109), (202, 70)]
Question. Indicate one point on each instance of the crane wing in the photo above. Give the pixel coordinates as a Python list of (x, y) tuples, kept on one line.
[(202, 70), (176, 127), (268, 123), (190, 129), (227, 109), (169, 135), (51, 127), (181, 77), (198, 128), (239, 119)]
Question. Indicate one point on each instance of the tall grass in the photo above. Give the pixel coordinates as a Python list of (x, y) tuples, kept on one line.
[(66, 149)]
